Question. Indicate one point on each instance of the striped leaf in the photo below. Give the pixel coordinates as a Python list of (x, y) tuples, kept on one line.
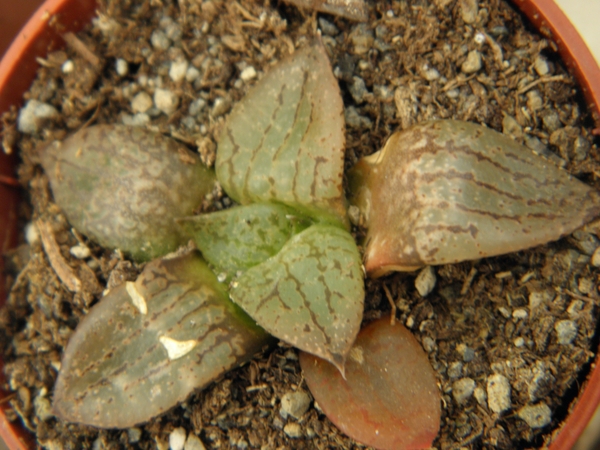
[(449, 191), (284, 142), (310, 294), (147, 345), (244, 236), (122, 186)]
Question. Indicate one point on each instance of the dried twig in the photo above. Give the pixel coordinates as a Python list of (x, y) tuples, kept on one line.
[(392, 304), (540, 81), (58, 263), (78, 46)]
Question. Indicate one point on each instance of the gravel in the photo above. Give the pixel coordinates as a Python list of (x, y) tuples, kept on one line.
[(425, 281), (498, 393), (536, 416), (166, 101), (472, 63), (177, 439), (566, 331), (463, 389), (34, 115), (294, 404)]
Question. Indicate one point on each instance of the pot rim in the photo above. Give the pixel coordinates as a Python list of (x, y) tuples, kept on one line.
[(38, 37)]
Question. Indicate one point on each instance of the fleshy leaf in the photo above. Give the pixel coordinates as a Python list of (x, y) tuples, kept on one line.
[(449, 191), (242, 237), (389, 399), (122, 187), (310, 294), (284, 141), (152, 342), (350, 9)]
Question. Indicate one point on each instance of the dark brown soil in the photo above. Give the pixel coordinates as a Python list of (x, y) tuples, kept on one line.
[(493, 316)]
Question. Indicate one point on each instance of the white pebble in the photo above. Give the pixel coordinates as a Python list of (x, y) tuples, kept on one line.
[(160, 40), (191, 74), (294, 404), (80, 251), (293, 430), (536, 416), (472, 63), (178, 70), (566, 331), (498, 393), (596, 258), (34, 115), (193, 443), (541, 66), (166, 100), (141, 103), (248, 73), (469, 10), (221, 106), (68, 66), (177, 439), (430, 73), (196, 106), (480, 395), (31, 233), (519, 342), (463, 389), (425, 281), (134, 435), (520, 314), (479, 38), (121, 67)]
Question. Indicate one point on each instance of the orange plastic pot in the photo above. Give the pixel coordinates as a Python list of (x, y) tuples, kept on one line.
[(42, 33)]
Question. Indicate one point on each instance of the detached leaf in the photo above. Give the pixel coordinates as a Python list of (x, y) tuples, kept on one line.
[(122, 187), (310, 294), (147, 345), (350, 9), (389, 399), (242, 237), (449, 191), (284, 142)]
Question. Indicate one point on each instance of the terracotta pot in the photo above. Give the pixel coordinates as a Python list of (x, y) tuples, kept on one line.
[(17, 71)]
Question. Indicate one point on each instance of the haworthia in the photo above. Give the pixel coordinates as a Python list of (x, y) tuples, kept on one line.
[(310, 294), (284, 142), (448, 191), (123, 186), (244, 236), (147, 345)]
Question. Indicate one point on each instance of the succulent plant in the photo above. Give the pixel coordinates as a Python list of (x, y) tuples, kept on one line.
[(448, 191), (124, 186)]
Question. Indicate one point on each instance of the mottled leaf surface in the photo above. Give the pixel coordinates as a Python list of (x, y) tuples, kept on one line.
[(244, 236), (147, 345), (284, 141), (122, 186), (310, 294), (449, 191), (350, 9), (389, 399)]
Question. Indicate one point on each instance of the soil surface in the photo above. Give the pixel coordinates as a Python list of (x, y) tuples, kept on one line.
[(525, 321)]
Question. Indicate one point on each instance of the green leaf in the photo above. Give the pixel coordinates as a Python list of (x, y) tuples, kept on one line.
[(389, 398), (310, 294), (284, 142), (448, 191), (241, 237), (122, 187), (147, 345)]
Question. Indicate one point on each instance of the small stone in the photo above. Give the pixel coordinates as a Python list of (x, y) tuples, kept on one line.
[(519, 342), (134, 435), (430, 73), (362, 39), (189, 122), (32, 234), (428, 344), (121, 67), (68, 66), (498, 393), (166, 101), (354, 215), (293, 430), (467, 353), (178, 70), (34, 115), (43, 407), (534, 100), (455, 369), (566, 331), (191, 74), (141, 103), (463, 389), (248, 73), (587, 243), (327, 27), (536, 416), (581, 148), (177, 438), (425, 281), (520, 314), (358, 89), (355, 120), (221, 106), (159, 40), (294, 404), (193, 443), (80, 251), (511, 127), (469, 10), (575, 308), (596, 258), (472, 63), (196, 106), (551, 121), (480, 395), (173, 31), (541, 66)]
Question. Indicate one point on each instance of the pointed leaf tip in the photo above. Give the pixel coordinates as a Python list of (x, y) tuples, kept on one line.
[(389, 398)]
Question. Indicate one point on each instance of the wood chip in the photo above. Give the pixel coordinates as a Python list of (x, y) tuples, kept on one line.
[(58, 263), (78, 46)]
